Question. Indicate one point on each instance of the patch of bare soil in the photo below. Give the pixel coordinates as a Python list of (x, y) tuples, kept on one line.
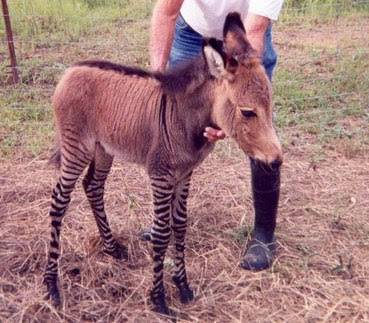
[(344, 34), (320, 273)]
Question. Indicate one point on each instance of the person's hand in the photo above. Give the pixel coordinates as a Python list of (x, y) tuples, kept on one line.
[(213, 134)]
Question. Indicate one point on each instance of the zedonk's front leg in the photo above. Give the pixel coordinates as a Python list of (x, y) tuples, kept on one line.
[(179, 224), (162, 188)]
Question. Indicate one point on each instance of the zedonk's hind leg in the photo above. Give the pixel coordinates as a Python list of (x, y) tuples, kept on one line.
[(93, 184), (162, 189), (74, 159), (179, 224)]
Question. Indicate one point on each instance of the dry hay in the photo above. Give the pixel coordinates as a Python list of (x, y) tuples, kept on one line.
[(321, 272)]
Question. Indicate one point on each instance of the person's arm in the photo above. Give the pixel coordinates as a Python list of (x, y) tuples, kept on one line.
[(256, 26), (161, 35)]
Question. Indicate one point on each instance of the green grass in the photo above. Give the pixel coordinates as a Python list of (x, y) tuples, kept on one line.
[(50, 35), (25, 124), (322, 93), (69, 20), (311, 12), (320, 106)]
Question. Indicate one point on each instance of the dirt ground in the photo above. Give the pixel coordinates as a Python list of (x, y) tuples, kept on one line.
[(320, 273)]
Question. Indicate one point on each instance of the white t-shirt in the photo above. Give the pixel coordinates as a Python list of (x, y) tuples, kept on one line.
[(207, 16)]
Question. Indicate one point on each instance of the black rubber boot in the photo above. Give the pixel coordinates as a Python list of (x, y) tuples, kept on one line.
[(265, 182)]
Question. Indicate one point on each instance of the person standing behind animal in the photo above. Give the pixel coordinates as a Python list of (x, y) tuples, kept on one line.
[(177, 31)]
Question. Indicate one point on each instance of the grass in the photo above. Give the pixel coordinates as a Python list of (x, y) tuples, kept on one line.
[(44, 53), (70, 20), (315, 95), (320, 270), (321, 88), (312, 12)]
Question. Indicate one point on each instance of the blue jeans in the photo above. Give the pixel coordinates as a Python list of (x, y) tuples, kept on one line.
[(187, 43)]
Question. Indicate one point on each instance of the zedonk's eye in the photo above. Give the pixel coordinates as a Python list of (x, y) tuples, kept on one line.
[(248, 113)]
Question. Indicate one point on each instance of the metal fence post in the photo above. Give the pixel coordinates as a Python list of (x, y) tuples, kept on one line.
[(9, 36)]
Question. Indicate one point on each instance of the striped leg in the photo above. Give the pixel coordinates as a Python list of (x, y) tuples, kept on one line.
[(73, 161), (179, 223), (93, 184), (162, 188)]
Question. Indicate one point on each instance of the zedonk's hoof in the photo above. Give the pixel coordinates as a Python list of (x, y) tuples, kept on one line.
[(160, 306), (162, 309), (259, 255), (185, 295), (185, 292), (120, 252), (53, 294)]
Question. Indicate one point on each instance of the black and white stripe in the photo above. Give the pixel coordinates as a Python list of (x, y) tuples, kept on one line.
[(170, 214), (74, 159)]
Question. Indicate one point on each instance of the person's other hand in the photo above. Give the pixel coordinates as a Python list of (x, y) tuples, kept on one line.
[(213, 134)]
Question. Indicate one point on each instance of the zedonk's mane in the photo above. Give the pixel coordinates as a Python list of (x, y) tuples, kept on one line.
[(174, 80), (109, 66)]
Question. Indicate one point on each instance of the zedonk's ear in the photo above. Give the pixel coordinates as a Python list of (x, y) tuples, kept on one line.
[(236, 45), (224, 63), (214, 57)]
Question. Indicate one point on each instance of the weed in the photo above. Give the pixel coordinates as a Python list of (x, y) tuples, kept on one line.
[(349, 147), (304, 249), (168, 263), (241, 234), (343, 268), (132, 201)]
